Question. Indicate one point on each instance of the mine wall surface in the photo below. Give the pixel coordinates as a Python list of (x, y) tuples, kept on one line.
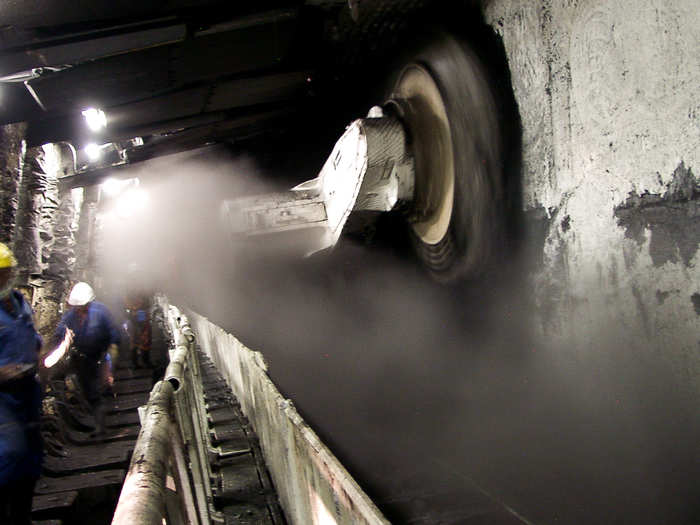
[(610, 160), (610, 189)]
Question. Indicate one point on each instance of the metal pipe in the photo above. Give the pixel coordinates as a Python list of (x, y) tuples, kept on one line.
[(142, 499), (175, 373)]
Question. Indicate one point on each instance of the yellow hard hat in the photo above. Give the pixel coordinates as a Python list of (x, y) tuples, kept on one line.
[(7, 258)]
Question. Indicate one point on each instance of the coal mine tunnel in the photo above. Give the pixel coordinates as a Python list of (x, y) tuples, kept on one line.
[(462, 235)]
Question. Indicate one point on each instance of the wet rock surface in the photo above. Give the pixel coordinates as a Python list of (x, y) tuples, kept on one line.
[(672, 219)]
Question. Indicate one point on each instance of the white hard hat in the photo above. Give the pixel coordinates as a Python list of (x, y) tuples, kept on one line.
[(81, 294)]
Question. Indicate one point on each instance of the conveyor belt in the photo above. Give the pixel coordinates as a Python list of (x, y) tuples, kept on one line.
[(230, 432), (215, 404), (242, 489), (221, 415)]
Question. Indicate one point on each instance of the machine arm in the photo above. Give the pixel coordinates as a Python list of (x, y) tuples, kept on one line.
[(370, 168)]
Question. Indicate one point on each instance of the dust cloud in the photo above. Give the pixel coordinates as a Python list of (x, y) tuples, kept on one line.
[(174, 235), (439, 400), (434, 397)]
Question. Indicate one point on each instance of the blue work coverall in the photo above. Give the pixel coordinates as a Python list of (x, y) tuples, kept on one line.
[(93, 333), (21, 448)]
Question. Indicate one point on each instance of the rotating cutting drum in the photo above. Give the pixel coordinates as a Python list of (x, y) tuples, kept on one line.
[(449, 111), (431, 150)]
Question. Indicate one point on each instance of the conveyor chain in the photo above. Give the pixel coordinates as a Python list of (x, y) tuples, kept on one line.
[(242, 488)]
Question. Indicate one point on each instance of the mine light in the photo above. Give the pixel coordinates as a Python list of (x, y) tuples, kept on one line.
[(93, 151), (95, 119), (56, 355)]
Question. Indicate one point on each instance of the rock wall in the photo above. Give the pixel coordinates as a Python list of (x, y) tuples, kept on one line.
[(11, 153), (608, 97), (39, 219), (58, 225), (38, 182), (86, 236)]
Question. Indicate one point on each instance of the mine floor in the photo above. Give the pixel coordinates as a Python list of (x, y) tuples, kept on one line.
[(83, 474)]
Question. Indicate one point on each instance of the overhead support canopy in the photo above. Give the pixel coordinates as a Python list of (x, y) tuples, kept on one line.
[(153, 68), (170, 111), (232, 129), (93, 45)]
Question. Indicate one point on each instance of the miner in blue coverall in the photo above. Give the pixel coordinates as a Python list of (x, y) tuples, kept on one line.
[(21, 448), (94, 336)]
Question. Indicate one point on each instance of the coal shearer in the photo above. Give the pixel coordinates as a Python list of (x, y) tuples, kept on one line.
[(21, 447), (95, 339)]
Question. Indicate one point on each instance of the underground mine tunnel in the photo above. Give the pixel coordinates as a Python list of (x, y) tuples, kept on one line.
[(402, 261)]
